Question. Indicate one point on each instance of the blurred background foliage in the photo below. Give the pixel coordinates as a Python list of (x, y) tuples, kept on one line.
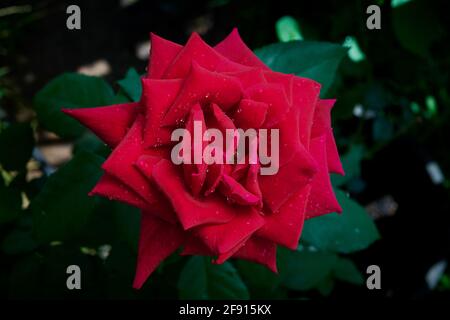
[(391, 122)]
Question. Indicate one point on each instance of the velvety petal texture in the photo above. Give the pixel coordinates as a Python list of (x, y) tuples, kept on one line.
[(223, 210)]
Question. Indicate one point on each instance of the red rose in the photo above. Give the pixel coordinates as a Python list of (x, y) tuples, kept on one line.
[(220, 210)]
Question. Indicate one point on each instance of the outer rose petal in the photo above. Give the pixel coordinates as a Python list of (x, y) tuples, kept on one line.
[(290, 143), (190, 211), (158, 240), (322, 199), (333, 160), (197, 50), (285, 225), (194, 246), (157, 97), (322, 125), (221, 238), (286, 80), (291, 178), (235, 49), (305, 93), (111, 188), (162, 54), (259, 250), (120, 163), (109, 123), (162, 207)]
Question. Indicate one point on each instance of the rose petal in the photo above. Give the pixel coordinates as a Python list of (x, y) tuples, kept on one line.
[(157, 97), (109, 123), (236, 193), (213, 177), (248, 77), (197, 50), (252, 182), (194, 246), (162, 207), (190, 211), (223, 257), (250, 114), (259, 250), (333, 160), (322, 199), (286, 80), (289, 143), (305, 93), (275, 97), (285, 225), (322, 125), (239, 170), (220, 120), (111, 188), (195, 173), (202, 86), (120, 163), (221, 238), (157, 241), (235, 49), (162, 53), (217, 119), (291, 178)]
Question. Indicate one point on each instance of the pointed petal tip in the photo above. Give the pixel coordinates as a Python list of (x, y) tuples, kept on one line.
[(70, 112), (138, 283), (274, 268)]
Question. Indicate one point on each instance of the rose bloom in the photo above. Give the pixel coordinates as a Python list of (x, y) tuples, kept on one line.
[(219, 210)]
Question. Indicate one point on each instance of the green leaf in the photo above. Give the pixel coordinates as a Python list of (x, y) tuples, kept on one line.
[(304, 270), (121, 97), (262, 283), (70, 90), (351, 163), (326, 286), (10, 203), (353, 230), (63, 207), (346, 270), (89, 142), (315, 60), (131, 85), (200, 279), (16, 146)]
